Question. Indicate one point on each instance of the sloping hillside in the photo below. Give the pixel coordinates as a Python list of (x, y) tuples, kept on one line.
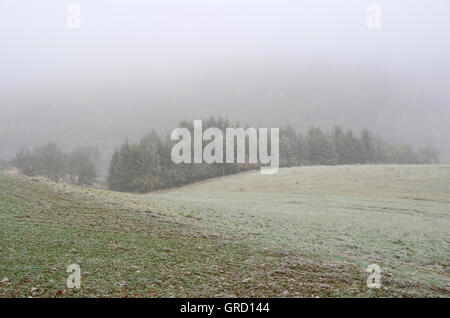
[(395, 216), (230, 237)]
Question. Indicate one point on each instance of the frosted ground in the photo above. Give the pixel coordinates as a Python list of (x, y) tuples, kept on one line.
[(395, 216), (304, 232)]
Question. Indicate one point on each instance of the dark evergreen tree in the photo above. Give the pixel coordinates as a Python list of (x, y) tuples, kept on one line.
[(113, 172), (340, 145), (147, 165), (321, 150), (368, 147), (302, 151), (353, 149), (289, 152)]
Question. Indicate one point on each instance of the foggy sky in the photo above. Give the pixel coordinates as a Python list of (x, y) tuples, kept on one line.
[(138, 65)]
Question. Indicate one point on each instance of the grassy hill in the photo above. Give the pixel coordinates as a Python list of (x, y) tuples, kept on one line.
[(303, 232)]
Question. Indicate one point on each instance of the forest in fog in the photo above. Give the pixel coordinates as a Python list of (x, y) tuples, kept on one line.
[(147, 165)]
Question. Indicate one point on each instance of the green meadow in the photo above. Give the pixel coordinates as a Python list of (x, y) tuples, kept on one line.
[(303, 232)]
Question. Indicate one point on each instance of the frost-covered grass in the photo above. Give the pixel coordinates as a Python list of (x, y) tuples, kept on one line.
[(396, 216), (308, 231)]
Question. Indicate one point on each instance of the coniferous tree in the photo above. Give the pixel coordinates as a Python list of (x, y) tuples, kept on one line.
[(353, 149), (289, 151), (368, 146), (379, 155), (321, 150), (113, 171), (340, 145), (147, 165), (302, 151)]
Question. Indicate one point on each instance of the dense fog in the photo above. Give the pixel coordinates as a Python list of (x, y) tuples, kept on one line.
[(134, 66)]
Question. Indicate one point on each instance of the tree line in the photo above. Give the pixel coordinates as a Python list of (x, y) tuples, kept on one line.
[(50, 161), (147, 166)]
